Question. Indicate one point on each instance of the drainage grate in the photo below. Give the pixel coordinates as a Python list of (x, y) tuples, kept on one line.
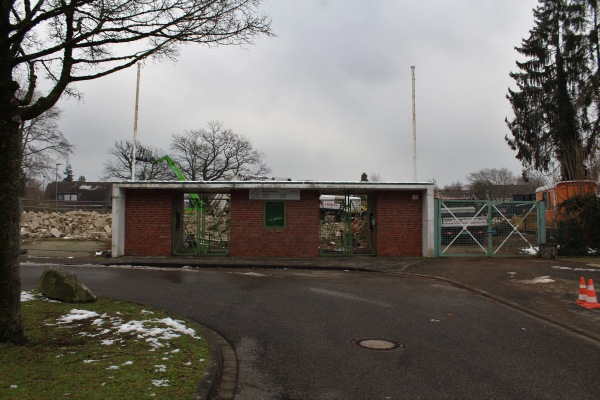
[(378, 344)]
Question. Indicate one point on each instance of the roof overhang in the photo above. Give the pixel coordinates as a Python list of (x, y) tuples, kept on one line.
[(324, 187)]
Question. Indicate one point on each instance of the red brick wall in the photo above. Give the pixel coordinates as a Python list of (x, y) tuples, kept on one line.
[(399, 224), (249, 237), (148, 222), (149, 230)]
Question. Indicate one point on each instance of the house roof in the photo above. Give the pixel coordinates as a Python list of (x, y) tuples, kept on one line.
[(86, 191)]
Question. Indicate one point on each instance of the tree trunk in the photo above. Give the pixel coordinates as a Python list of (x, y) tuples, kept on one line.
[(11, 323)]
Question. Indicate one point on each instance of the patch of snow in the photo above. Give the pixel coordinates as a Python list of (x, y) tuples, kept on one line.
[(531, 251), (77, 315), (160, 368), (539, 279), (90, 361), (249, 273), (160, 382), (153, 335), (27, 296), (577, 269), (178, 326), (153, 331), (13, 386), (113, 367)]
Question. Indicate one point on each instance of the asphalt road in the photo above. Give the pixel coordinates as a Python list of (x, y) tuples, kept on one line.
[(294, 333)]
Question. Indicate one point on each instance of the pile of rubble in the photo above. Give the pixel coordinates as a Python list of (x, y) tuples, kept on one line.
[(87, 225)]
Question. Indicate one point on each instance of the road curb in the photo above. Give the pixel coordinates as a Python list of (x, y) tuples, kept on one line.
[(220, 378), (582, 332)]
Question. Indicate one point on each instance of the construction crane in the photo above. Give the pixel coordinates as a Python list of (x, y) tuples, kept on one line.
[(195, 201)]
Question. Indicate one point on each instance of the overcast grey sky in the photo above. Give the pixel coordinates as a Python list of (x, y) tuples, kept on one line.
[(330, 96)]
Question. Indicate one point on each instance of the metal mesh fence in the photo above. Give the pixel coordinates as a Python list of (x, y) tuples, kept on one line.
[(572, 238), (487, 228)]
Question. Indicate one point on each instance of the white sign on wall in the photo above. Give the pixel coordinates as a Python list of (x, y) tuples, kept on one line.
[(274, 194)]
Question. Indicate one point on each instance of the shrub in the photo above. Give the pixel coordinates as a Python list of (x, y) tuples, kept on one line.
[(579, 231)]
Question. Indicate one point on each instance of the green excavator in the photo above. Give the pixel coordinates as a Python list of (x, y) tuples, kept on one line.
[(195, 201)]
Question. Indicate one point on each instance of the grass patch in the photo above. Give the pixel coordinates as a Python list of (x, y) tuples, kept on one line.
[(104, 350)]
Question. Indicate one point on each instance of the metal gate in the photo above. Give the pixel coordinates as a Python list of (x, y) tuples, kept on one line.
[(348, 228), (203, 228), (490, 228)]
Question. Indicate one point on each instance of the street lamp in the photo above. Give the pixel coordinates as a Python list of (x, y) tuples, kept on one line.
[(56, 187)]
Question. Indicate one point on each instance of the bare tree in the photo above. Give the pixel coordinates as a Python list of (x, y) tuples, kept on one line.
[(118, 165), (47, 46), (535, 179), (375, 176), (491, 183), (43, 144), (455, 190), (217, 153)]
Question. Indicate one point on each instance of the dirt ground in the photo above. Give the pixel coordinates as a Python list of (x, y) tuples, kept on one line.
[(64, 248)]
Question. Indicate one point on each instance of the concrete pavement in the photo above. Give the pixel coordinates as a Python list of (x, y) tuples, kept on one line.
[(544, 289)]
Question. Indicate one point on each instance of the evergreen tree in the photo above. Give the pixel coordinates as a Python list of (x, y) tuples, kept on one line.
[(556, 104), (68, 173)]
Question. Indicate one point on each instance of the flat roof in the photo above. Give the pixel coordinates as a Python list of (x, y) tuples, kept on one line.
[(322, 186)]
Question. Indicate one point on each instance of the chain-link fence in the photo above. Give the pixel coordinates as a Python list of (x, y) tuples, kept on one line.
[(573, 239), (65, 229)]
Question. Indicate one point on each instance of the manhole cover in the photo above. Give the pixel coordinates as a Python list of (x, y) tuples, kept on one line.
[(378, 344)]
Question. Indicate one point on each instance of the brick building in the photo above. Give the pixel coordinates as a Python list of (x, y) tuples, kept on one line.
[(272, 219)]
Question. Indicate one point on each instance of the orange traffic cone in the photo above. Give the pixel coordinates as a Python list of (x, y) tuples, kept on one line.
[(590, 299), (582, 291)]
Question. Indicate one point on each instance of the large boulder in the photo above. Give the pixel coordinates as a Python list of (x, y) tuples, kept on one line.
[(59, 284)]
